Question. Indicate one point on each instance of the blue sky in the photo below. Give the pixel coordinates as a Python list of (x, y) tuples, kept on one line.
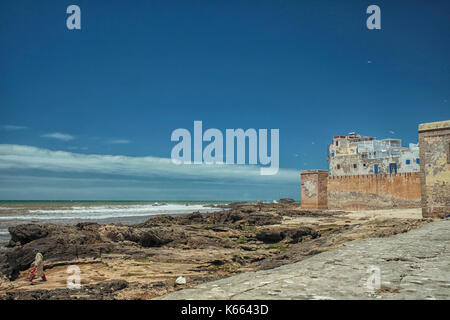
[(137, 70)]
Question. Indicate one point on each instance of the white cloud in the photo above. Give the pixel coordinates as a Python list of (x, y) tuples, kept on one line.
[(19, 157), (13, 127), (77, 148), (119, 141), (59, 136)]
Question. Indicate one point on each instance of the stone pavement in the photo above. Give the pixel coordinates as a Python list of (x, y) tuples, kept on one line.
[(412, 265)]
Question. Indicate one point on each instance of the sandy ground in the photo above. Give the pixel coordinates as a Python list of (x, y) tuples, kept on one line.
[(353, 217), (166, 265), (109, 268)]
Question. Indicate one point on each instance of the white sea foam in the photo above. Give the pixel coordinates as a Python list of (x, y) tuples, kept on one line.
[(107, 212)]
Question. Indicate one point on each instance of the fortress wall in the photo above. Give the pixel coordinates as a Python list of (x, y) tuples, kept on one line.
[(382, 191)]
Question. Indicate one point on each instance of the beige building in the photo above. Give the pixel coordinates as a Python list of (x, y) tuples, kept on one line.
[(358, 155), (434, 141)]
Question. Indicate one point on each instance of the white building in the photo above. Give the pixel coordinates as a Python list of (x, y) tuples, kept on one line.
[(356, 155)]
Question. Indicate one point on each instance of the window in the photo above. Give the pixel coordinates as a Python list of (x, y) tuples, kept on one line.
[(418, 161), (337, 143), (338, 166), (332, 154), (408, 161), (393, 168), (355, 166)]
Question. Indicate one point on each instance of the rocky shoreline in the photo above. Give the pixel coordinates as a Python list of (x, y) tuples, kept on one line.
[(142, 261)]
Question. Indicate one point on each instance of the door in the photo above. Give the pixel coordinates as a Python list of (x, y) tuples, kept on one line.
[(393, 168), (375, 168)]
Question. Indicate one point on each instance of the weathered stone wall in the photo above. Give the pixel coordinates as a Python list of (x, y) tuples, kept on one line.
[(380, 191), (314, 189), (434, 141)]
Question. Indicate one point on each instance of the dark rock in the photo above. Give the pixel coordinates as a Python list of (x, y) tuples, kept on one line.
[(270, 236), (218, 262), (153, 237), (194, 217), (277, 234), (12, 243), (158, 220), (92, 226), (235, 217), (298, 235), (25, 233), (286, 201), (110, 286)]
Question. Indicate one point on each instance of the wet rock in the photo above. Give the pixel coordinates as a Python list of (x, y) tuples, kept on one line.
[(298, 235), (91, 226), (270, 236), (276, 234), (195, 217), (158, 220), (218, 262), (303, 213), (27, 232), (235, 218), (12, 243), (109, 286), (153, 237), (238, 213), (286, 201)]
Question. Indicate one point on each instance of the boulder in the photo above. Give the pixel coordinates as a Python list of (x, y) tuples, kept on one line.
[(158, 220), (273, 235), (270, 236), (180, 280), (286, 201), (237, 217), (25, 233), (153, 237), (297, 235)]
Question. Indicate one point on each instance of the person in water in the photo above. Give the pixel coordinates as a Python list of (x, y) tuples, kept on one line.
[(38, 267)]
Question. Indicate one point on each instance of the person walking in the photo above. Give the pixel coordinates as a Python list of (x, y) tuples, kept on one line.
[(38, 267)]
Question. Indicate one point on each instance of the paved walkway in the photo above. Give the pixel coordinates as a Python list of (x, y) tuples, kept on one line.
[(412, 265)]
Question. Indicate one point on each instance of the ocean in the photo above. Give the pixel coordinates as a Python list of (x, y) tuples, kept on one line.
[(72, 212)]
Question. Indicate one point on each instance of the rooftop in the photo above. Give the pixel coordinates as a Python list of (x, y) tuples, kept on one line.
[(434, 125)]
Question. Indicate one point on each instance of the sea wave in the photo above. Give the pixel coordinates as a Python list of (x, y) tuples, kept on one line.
[(106, 212)]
